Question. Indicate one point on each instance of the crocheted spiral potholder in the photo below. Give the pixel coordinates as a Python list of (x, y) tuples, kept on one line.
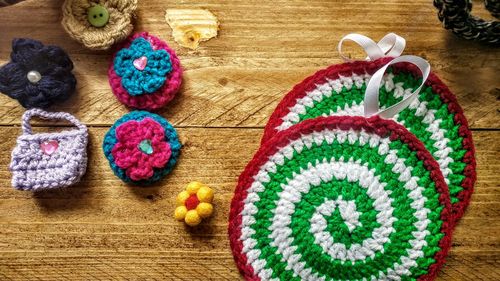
[(341, 198), (145, 72), (141, 147), (435, 118)]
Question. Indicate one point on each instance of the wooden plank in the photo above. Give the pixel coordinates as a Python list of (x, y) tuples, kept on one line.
[(103, 229), (264, 48)]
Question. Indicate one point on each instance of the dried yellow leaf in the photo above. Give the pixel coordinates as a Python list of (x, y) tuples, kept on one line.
[(191, 26)]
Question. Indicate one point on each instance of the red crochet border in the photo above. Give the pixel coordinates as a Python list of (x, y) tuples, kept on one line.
[(362, 67), (157, 99), (375, 125)]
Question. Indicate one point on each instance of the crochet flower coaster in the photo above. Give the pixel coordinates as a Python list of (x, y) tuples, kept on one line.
[(141, 147), (435, 117), (49, 160), (145, 73), (98, 24), (341, 198), (37, 75)]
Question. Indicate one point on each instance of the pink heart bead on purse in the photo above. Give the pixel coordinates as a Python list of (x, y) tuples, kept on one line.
[(49, 160)]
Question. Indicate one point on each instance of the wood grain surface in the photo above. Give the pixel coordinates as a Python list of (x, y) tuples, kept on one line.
[(102, 229)]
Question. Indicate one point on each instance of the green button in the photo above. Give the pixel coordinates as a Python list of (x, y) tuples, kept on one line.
[(98, 16)]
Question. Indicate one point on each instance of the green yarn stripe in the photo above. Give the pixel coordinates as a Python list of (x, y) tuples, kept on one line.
[(354, 96), (305, 241), (371, 157)]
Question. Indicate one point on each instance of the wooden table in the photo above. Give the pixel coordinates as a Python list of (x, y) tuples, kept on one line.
[(103, 229)]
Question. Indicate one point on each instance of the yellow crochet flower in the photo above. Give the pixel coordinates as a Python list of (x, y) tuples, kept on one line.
[(194, 203)]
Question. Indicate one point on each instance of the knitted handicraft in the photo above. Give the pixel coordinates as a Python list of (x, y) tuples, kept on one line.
[(4, 3), (456, 15), (435, 118), (341, 198), (141, 147), (49, 160), (98, 24), (37, 75), (145, 72)]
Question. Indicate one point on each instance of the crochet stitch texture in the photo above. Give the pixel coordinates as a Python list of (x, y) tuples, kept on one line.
[(4, 3), (435, 118), (34, 169), (141, 147), (54, 66), (130, 150), (119, 26), (151, 77), (194, 203), (456, 16), (151, 87), (341, 198)]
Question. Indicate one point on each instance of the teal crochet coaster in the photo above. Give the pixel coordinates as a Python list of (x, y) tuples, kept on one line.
[(435, 118), (141, 147), (341, 198)]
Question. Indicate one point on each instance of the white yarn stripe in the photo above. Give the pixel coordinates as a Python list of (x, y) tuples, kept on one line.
[(325, 90), (329, 135), (353, 172), (321, 91), (339, 170)]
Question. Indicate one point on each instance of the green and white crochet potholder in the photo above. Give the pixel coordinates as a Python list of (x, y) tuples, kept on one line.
[(341, 198), (435, 117)]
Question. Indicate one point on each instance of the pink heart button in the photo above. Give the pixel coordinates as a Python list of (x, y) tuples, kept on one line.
[(49, 147), (141, 63)]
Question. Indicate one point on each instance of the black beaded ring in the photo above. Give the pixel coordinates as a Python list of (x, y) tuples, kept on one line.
[(455, 15)]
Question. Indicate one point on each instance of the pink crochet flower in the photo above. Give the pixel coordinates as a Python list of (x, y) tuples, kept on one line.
[(164, 94), (141, 147)]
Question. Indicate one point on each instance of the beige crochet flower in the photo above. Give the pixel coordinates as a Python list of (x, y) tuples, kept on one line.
[(118, 26)]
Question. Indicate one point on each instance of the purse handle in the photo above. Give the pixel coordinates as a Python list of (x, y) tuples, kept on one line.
[(48, 115)]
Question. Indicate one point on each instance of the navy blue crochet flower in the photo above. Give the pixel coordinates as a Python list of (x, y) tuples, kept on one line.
[(37, 75), (142, 69)]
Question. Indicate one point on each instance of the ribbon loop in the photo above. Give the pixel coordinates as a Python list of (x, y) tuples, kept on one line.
[(371, 103), (391, 45)]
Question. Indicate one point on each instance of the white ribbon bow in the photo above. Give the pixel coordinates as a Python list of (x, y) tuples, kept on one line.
[(391, 45)]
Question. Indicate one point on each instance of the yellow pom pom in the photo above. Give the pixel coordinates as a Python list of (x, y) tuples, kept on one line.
[(181, 198), (205, 194), (192, 218), (180, 213), (205, 210), (193, 187)]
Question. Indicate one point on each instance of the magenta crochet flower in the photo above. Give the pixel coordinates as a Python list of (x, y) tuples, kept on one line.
[(140, 147)]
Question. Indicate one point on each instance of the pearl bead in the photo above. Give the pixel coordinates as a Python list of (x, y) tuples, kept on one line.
[(34, 76)]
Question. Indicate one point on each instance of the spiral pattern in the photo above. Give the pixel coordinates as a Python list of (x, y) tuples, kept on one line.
[(435, 117), (341, 198)]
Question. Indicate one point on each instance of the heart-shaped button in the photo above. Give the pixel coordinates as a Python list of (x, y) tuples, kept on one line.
[(140, 63), (49, 147)]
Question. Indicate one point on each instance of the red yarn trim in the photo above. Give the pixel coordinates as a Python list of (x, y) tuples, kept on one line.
[(375, 125), (157, 99), (362, 67)]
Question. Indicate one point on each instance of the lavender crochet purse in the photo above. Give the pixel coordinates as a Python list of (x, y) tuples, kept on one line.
[(49, 160)]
